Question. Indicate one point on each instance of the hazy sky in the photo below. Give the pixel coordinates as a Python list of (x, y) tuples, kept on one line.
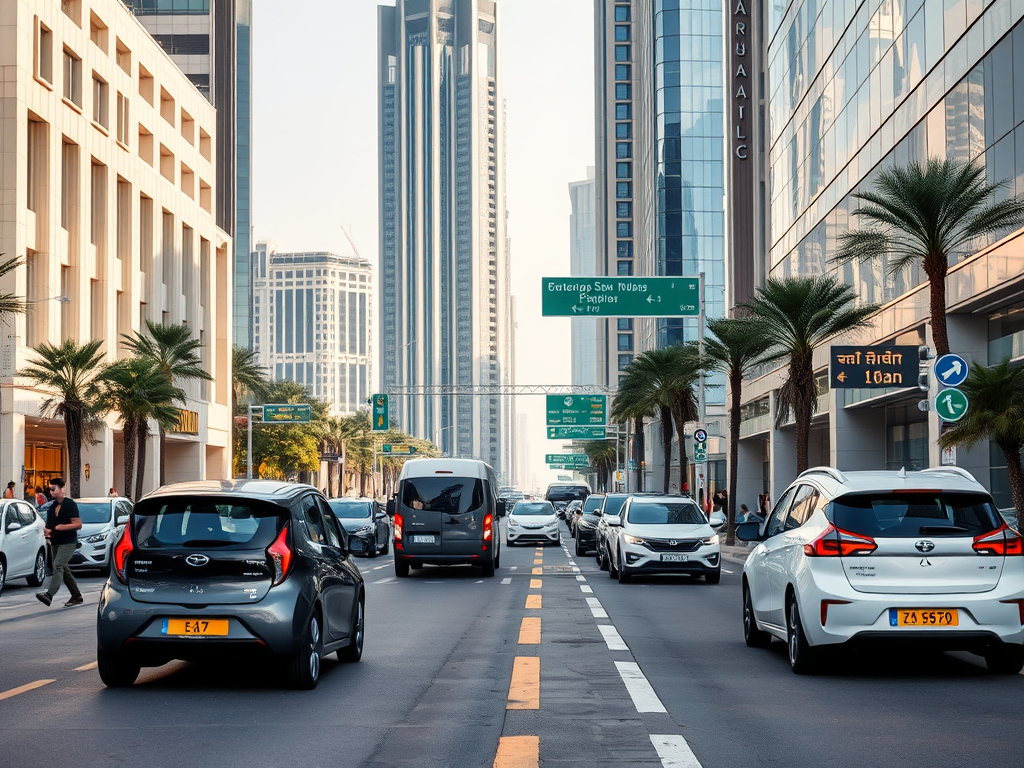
[(315, 150)]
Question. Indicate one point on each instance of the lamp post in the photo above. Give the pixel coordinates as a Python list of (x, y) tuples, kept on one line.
[(437, 434)]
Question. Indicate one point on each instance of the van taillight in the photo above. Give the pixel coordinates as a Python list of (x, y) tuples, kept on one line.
[(121, 551), (835, 542), (488, 522), (1003, 541), (399, 520), (280, 555)]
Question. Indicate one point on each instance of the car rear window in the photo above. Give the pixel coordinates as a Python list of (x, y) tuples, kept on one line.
[(567, 492), (903, 515), (613, 504), (534, 508), (665, 513), (203, 522), (350, 509), (452, 495), (592, 503)]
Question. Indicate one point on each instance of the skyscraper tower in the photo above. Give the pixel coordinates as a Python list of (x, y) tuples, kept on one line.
[(444, 255)]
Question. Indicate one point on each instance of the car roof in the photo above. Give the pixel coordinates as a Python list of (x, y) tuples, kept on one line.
[(270, 490), (100, 499), (364, 499), (835, 482), (428, 467)]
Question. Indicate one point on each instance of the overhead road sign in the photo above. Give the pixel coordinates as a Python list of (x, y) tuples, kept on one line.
[(287, 414), (398, 450), (873, 367), (577, 409), (620, 296), (576, 433), (951, 370), (570, 459), (951, 405), (573, 467), (380, 413)]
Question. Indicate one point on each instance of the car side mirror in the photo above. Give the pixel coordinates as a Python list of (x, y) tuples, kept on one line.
[(12, 527), (749, 531), (391, 507), (717, 525), (501, 508), (614, 521), (123, 519)]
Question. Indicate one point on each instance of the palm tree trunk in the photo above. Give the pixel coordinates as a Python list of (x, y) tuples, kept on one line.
[(143, 440), (1011, 451), (163, 455), (639, 450), (73, 433), (937, 301), (684, 459), (803, 392), (735, 387), (666, 441), (128, 436)]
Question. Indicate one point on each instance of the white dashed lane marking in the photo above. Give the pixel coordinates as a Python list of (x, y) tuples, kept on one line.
[(507, 580), (674, 752), (729, 572), (585, 589), (640, 690), (385, 581), (581, 578), (596, 608), (612, 638)]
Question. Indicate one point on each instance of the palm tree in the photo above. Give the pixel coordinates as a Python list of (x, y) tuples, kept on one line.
[(248, 377), (996, 396), (176, 354), (69, 372), (602, 455), (732, 349), (791, 318), (924, 214), (631, 404), (11, 303), (138, 391)]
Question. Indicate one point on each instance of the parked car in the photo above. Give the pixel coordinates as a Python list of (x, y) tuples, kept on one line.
[(585, 522), (364, 519), (560, 494), (609, 512), (566, 512), (231, 568), (663, 534), (857, 558), (22, 545), (533, 521), (100, 519)]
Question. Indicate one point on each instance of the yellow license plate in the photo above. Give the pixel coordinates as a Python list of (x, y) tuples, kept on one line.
[(924, 617), (195, 627)]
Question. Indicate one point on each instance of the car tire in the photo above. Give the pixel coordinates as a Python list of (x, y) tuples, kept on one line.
[(302, 669), (117, 670), (613, 572), (353, 652), (488, 567), (581, 550), (497, 558), (39, 572), (752, 635), (3, 574), (387, 546), (372, 551), (401, 567), (803, 658), (1005, 659), (713, 577), (624, 575), (602, 559)]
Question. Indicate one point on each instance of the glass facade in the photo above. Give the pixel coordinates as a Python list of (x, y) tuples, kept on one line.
[(243, 189), (169, 7)]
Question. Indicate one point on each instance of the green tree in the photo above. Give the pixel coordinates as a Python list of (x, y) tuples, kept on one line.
[(248, 378), (602, 455), (632, 404), (732, 349), (175, 353), (996, 396), (924, 214), (69, 372), (790, 319), (11, 303), (285, 451)]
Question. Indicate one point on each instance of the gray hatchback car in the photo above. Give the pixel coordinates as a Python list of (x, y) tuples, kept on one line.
[(232, 568)]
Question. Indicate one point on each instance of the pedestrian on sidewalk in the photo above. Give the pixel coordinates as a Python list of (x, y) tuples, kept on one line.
[(9, 493), (63, 521)]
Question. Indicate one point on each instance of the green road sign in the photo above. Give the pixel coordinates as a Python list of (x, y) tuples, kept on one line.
[(576, 433), (573, 467), (700, 451), (381, 420), (620, 296), (570, 459), (398, 450), (951, 404), (577, 409), (285, 414)]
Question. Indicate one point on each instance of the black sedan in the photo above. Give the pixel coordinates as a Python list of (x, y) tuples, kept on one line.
[(585, 523), (365, 519)]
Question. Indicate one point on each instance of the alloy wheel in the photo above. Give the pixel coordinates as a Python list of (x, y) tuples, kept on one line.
[(3, 575), (314, 648), (40, 572)]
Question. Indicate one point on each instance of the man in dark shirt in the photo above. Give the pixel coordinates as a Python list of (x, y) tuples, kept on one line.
[(63, 522)]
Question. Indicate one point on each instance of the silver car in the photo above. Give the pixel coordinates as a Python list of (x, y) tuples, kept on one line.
[(101, 519)]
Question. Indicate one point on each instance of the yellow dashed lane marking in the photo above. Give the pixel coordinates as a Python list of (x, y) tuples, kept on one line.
[(524, 692), (535, 583), (529, 631), (86, 667), (533, 601), (40, 683), (518, 752), (538, 560), (537, 571)]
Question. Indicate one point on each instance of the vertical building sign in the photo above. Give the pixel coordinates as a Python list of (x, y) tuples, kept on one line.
[(741, 80)]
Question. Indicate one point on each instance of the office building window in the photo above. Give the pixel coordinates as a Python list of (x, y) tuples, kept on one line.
[(623, 130), (123, 121), (623, 210), (624, 249), (623, 149), (623, 71), (72, 78), (622, 53), (100, 102), (625, 361), (622, 33), (624, 268), (623, 170), (623, 189), (623, 91), (625, 324), (624, 229), (43, 53), (622, 13), (623, 111)]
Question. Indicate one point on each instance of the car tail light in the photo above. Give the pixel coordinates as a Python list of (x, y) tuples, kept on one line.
[(824, 608), (1003, 541), (1020, 608), (121, 550), (835, 542), (488, 522), (398, 527), (280, 555)]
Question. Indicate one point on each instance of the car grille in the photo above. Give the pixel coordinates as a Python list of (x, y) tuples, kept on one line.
[(531, 527), (681, 545)]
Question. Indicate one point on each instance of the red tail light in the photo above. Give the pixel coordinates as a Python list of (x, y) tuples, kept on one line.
[(835, 542), (488, 522), (1003, 541), (824, 608), (121, 550), (398, 527), (280, 555)]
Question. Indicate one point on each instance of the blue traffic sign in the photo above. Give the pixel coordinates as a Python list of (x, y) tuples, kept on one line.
[(951, 370), (700, 435)]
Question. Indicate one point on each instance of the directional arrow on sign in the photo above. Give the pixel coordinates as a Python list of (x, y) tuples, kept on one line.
[(954, 369), (650, 299), (842, 376)]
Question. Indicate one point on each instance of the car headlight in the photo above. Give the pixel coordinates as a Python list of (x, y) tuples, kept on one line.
[(711, 540), (364, 529), (633, 539), (96, 538)]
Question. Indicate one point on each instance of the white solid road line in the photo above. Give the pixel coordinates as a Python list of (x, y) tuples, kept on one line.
[(596, 608), (640, 691), (674, 752), (612, 638), (507, 580), (385, 581), (585, 589)]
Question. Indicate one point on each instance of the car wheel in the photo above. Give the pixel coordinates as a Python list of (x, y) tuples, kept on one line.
[(401, 568), (39, 572), (580, 548), (624, 575), (387, 546), (802, 657), (372, 551), (488, 567), (713, 577), (303, 668), (116, 670), (754, 637), (1005, 659), (602, 559), (613, 572), (353, 652), (3, 574), (497, 558)]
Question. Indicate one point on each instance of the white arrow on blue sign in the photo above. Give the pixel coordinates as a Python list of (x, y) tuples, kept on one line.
[(700, 435), (951, 370)]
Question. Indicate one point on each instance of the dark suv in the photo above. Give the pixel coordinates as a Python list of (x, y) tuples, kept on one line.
[(213, 569)]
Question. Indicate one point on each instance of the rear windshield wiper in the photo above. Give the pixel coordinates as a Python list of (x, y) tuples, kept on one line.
[(938, 530)]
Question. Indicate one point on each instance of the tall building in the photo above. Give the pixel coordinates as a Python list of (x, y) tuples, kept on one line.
[(445, 316), (852, 90), (211, 41), (311, 321), (108, 162), (583, 263)]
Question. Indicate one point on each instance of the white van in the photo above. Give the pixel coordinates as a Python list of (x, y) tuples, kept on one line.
[(445, 512)]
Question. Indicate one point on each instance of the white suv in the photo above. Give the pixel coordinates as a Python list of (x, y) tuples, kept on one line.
[(865, 557)]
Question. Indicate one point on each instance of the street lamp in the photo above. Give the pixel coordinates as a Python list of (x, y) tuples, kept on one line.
[(62, 299), (437, 434)]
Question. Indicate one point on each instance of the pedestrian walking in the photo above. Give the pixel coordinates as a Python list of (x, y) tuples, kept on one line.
[(63, 521), (40, 497), (9, 493), (112, 493)]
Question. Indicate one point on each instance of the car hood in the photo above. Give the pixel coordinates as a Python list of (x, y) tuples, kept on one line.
[(89, 529), (701, 531), (354, 523), (533, 519)]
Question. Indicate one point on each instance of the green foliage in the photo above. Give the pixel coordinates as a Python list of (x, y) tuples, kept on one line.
[(12, 303), (248, 379), (996, 411)]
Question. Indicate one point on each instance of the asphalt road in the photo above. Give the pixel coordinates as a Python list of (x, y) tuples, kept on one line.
[(551, 662)]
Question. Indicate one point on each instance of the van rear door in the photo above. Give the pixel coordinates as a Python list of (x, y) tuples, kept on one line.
[(442, 514)]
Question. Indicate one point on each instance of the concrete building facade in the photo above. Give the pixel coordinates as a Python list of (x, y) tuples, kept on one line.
[(583, 263), (108, 175), (311, 322)]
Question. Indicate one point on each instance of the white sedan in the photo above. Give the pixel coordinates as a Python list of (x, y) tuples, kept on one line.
[(533, 521), (22, 545)]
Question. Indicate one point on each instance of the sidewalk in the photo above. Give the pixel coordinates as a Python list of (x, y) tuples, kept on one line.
[(736, 554)]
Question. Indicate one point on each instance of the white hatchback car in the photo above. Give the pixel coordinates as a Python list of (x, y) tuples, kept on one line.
[(662, 534), (922, 558), (22, 546), (533, 521)]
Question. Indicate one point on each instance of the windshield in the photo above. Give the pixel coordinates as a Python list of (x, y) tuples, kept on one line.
[(452, 495), (94, 512), (592, 503), (665, 513), (351, 509), (524, 508), (908, 515), (613, 504), (206, 522), (567, 492)]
